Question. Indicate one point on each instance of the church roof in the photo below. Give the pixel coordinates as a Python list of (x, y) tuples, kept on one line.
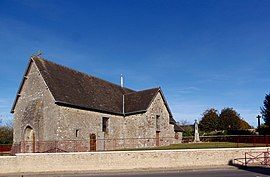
[(76, 89), (139, 101)]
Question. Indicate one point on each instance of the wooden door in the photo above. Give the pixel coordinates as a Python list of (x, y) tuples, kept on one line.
[(29, 140), (93, 142), (157, 138)]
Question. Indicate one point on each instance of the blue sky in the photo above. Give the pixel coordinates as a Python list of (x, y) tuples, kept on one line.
[(202, 53)]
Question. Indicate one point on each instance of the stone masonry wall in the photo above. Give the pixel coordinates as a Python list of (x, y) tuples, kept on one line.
[(136, 131), (35, 108), (86, 123), (166, 130), (144, 126), (121, 160)]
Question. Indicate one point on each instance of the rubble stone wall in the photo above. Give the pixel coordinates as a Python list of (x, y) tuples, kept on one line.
[(121, 160)]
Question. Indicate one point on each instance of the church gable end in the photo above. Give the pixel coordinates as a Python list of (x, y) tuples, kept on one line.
[(33, 106)]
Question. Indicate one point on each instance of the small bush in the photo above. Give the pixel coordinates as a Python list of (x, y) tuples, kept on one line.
[(264, 130), (240, 132), (6, 135)]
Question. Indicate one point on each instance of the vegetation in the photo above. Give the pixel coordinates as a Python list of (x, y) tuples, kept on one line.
[(265, 110), (227, 122), (6, 130), (203, 145), (264, 130), (187, 127), (231, 120), (188, 130), (6, 135), (210, 120)]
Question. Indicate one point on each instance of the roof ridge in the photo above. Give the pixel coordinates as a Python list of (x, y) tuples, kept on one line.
[(142, 90), (84, 73), (149, 89)]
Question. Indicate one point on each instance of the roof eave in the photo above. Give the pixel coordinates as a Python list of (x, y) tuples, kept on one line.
[(62, 103), (177, 128), (21, 85), (135, 112)]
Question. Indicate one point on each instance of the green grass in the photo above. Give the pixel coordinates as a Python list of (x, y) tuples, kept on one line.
[(205, 145), (4, 154), (202, 145)]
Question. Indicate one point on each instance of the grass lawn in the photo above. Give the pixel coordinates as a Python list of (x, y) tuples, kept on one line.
[(202, 145), (4, 154)]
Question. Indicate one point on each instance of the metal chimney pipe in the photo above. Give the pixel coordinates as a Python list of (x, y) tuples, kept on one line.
[(122, 80)]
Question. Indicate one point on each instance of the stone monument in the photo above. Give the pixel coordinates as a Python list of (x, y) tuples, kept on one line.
[(196, 132)]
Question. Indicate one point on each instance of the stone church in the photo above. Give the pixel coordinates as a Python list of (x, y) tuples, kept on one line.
[(58, 109)]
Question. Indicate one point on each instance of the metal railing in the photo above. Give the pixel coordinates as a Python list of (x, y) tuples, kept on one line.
[(253, 140), (92, 145), (139, 143), (255, 158), (5, 147)]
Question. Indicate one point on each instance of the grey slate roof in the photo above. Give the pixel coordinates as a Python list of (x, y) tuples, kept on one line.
[(139, 101)]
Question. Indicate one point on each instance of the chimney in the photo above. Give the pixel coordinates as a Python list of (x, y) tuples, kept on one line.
[(122, 81), (123, 101)]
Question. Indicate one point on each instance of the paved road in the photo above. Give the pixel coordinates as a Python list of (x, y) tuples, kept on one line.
[(231, 172)]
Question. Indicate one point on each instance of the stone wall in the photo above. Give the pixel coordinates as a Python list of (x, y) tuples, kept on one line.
[(121, 160), (89, 122), (146, 125), (35, 109), (135, 131)]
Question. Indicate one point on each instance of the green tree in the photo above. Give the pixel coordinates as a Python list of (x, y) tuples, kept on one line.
[(230, 119), (209, 121), (265, 110), (244, 125), (6, 135), (6, 130)]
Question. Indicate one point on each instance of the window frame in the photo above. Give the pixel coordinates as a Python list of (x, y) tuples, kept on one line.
[(105, 124), (77, 131), (157, 122)]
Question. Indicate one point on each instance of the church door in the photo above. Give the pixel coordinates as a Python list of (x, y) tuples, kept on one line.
[(29, 140), (93, 142), (157, 138)]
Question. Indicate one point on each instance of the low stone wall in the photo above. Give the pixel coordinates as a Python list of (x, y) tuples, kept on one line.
[(120, 160)]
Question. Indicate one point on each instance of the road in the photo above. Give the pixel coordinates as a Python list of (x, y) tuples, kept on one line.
[(230, 172)]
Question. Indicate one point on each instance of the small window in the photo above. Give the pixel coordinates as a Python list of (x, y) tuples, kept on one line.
[(157, 122), (77, 133), (176, 135), (105, 124)]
